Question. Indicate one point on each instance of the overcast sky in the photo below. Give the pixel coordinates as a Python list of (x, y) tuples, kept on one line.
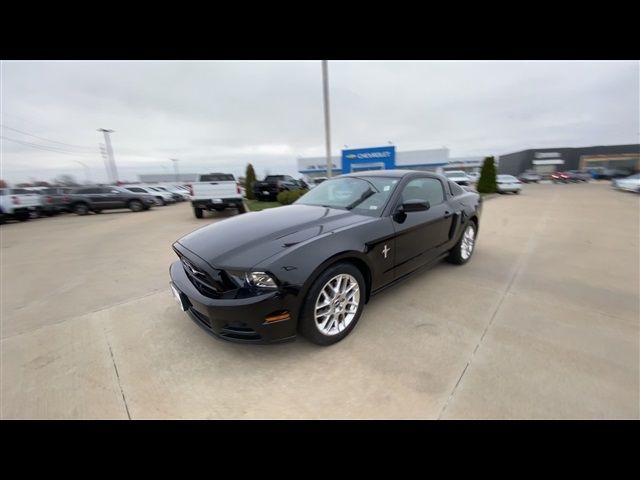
[(218, 116)]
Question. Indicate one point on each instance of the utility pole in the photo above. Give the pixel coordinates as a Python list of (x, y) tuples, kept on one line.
[(327, 129), (103, 152), (112, 161), (175, 167)]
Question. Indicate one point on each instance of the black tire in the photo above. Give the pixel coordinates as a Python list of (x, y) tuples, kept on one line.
[(307, 324), (456, 256), (197, 212), (242, 208), (136, 206), (161, 201), (81, 209), (23, 216), (517, 192)]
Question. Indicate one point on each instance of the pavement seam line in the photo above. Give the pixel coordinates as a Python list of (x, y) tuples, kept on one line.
[(115, 367), (519, 265)]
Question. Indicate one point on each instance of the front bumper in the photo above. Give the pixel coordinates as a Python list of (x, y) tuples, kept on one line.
[(509, 188), (238, 320)]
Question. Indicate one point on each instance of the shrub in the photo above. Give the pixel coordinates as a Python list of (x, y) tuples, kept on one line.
[(250, 178), (487, 182), (287, 197)]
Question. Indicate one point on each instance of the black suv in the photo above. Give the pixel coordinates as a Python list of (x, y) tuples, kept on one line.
[(96, 199), (273, 184)]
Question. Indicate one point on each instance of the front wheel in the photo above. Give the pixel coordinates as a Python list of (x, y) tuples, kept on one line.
[(197, 212), (461, 253), (136, 206), (333, 304), (81, 209)]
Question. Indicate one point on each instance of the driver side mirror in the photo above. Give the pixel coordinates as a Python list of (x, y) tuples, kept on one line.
[(415, 205)]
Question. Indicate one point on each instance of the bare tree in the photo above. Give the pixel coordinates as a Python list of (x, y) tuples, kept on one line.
[(66, 180)]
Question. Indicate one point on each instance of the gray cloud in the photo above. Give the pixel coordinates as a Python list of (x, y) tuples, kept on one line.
[(221, 115)]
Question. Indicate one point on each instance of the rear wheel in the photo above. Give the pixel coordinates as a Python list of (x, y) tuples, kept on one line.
[(81, 209), (333, 305), (461, 253), (197, 212), (136, 206), (242, 208)]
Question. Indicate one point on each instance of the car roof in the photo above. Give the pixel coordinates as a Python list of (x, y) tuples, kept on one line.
[(390, 173)]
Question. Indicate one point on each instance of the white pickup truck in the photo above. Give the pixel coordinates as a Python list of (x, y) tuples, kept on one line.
[(18, 203), (215, 191)]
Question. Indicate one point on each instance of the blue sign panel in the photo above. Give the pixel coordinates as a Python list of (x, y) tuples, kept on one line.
[(375, 158)]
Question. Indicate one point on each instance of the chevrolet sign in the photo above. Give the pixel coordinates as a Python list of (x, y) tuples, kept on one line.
[(385, 156)]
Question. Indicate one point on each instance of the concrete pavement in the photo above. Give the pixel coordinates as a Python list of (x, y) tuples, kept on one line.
[(543, 322)]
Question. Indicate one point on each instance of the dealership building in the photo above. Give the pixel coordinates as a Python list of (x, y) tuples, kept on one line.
[(549, 160), (387, 158)]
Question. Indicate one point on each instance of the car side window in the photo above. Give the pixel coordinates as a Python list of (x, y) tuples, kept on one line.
[(425, 189)]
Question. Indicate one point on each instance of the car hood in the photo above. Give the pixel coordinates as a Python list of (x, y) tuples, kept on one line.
[(242, 241)]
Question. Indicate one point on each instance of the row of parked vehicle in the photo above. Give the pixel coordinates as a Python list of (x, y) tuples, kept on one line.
[(23, 203), (504, 183)]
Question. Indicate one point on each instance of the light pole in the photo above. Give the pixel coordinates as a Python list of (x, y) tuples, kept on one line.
[(86, 170), (327, 130), (175, 166), (112, 170)]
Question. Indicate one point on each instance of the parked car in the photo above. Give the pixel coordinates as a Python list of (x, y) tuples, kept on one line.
[(530, 177), (578, 176), (177, 197), (602, 173), (269, 188), (179, 189), (96, 199), (508, 184), (560, 177), (18, 204), (216, 191), (458, 176), (55, 200), (314, 182), (474, 176), (162, 197), (313, 265), (630, 183)]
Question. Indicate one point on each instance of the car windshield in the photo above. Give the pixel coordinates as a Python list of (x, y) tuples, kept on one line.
[(366, 194), (454, 174)]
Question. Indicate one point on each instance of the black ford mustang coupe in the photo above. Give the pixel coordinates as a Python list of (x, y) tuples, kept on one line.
[(313, 265)]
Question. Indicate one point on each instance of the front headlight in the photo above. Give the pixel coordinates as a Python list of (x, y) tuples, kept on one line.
[(253, 279)]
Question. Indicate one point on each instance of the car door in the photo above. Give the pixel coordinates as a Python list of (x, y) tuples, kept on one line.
[(95, 195), (114, 198), (420, 236)]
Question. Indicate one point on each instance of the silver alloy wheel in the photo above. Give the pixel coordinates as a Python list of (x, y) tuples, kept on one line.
[(468, 240), (337, 304)]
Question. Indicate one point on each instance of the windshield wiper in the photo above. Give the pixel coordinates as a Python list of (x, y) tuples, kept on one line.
[(362, 198)]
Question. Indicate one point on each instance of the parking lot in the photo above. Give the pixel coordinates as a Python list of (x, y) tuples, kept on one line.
[(543, 322)]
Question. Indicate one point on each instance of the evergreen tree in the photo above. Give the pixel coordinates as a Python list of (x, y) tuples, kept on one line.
[(487, 182), (250, 178)]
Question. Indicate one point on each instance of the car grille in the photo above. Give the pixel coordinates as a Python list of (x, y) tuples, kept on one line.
[(207, 285)]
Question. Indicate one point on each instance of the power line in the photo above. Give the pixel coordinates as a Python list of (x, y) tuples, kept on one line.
[(46, 139), (46, 148)]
